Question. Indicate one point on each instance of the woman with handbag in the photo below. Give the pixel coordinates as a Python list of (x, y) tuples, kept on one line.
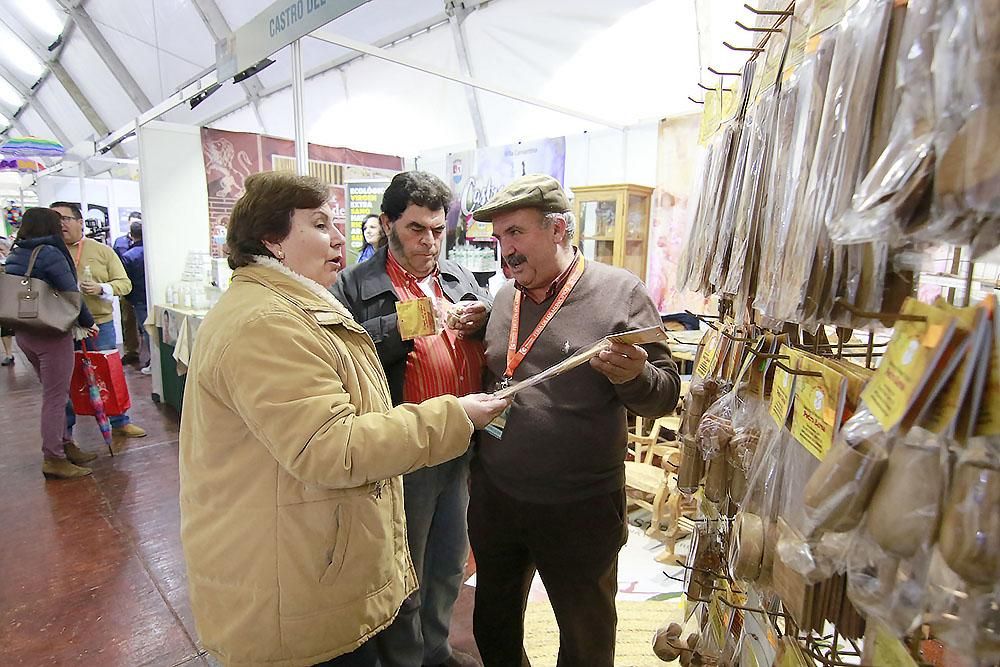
[(41, 253)]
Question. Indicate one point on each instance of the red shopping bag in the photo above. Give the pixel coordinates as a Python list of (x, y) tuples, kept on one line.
[(110, 377)]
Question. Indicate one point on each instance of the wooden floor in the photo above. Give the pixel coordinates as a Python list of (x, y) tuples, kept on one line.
[(91, 570)]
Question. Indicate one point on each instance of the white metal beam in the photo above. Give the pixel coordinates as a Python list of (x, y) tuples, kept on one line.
[(29, 97), (220, 30), (106, 53), (326, 35), (456, 17), (334, 64)]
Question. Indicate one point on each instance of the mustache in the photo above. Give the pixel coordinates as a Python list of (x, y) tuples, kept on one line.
[(515, 259)]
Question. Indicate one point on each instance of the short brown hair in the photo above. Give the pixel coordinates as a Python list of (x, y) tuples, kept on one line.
[(264, 212), (39, 222)]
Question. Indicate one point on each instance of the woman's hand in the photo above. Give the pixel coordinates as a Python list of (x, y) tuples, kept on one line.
[(483, 408), (93, 331)]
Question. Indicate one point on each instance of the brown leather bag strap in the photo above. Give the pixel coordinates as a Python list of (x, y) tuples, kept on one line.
[(31, 261), (31, 265)]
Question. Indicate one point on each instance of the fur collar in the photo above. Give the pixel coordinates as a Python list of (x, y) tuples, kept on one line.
[(321, 292)]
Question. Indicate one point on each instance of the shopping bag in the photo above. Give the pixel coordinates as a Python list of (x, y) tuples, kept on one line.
[(108, 378)]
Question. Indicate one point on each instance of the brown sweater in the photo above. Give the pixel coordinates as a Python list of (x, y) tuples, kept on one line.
[(565, 438)]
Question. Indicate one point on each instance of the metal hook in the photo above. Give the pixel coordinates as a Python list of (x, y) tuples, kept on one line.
[(885, 318), (754, 29), (729, 604), (718, 73), (712, 90), (748, 49), (767, 12), (695, 101), (794, 371)]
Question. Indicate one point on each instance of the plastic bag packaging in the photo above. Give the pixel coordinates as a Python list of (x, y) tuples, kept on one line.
[(715, 431), (966, 74), (966, 619), (969, 536), (727, 219), (885, 588), (887, 200), (709, 212), (780, 189), (841, 155), (904, 510), (759, 509), (839, 490), (744, 254), (802, 229), (692, 251)]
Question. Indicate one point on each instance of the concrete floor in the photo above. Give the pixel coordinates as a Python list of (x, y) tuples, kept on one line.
[(91, 570)]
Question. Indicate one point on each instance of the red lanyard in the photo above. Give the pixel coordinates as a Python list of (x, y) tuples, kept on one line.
[(515, 354), (79, 251)]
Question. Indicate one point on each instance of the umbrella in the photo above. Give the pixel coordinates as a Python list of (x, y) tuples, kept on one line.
[(21, 165), (31, 147), (94, 393)]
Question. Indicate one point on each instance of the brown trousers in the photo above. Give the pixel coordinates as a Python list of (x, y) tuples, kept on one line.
[(573, 546), (130, 328)]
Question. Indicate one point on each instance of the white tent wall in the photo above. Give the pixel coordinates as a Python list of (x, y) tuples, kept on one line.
[(116, 194), (175, 209), (628, 62), (596, 157)]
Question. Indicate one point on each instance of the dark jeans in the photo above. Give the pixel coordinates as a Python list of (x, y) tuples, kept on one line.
[(363, 656), (435, 500), (574, 546)]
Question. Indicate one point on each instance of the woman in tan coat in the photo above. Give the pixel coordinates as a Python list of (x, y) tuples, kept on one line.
[(290, 452)]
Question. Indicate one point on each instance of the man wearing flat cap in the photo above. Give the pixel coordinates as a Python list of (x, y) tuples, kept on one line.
[(549, 496)]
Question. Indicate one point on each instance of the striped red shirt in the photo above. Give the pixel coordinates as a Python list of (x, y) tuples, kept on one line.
[(439, 364)]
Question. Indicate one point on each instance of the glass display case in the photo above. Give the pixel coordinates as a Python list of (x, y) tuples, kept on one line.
[(613, 224)]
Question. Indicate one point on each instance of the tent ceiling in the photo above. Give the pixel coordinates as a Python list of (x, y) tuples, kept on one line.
[(626, 61)]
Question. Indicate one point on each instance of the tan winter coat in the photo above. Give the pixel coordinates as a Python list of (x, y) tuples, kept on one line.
[(290, 455)]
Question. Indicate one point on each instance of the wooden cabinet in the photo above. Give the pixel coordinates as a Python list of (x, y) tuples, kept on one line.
[(612, 224)]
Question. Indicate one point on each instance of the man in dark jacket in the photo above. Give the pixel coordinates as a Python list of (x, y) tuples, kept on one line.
[(130, 327), (134, 261), (430, 344)]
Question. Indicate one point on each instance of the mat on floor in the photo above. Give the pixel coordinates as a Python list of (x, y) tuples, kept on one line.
[(637, 621)]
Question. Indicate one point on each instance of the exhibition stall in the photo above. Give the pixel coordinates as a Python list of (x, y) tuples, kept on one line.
[(809, 188)]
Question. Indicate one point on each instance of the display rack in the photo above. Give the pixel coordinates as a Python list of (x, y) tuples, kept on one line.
[(836, 428)]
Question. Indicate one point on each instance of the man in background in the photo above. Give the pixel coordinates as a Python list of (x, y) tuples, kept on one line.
[(444, 357), (130, 327), (102, 277), (134, 261)]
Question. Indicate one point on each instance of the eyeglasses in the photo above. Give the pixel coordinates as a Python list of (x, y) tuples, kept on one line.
[(68, 218)]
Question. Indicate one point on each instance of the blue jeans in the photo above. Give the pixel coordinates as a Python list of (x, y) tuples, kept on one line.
[(105, 341), (435, 501)]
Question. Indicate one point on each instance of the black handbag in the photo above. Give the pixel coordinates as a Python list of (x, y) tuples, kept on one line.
[(31, 303)]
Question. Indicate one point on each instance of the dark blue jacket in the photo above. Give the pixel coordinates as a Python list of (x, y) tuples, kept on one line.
[(134, 262), (121, 245), (366, 290), (53, 265)]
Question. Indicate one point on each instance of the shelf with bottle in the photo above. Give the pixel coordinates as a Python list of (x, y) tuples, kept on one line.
[(476, 256)]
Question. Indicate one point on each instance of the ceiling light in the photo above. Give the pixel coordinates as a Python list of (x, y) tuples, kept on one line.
[(9, 94), (42, 15)]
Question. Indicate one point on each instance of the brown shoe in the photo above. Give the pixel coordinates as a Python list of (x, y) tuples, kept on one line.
[(129, 431), (62, 469), (77, 455)]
